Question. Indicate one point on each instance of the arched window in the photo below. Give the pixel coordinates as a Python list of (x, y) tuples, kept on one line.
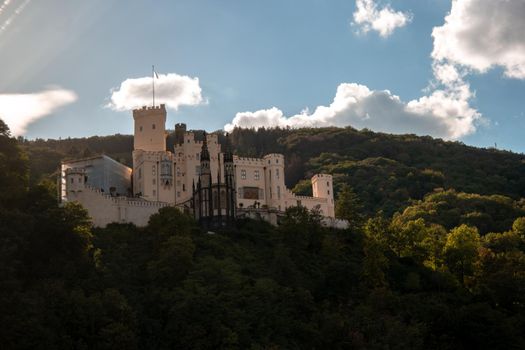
[(215, 200), (223, 199)]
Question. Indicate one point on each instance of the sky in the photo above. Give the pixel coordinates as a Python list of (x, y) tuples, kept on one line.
[(453, 69)]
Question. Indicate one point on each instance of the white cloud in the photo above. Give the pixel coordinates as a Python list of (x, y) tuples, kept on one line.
[(481, 34), (477, 35), (445, 113), (20, 110), (369, 16), (171, 89)]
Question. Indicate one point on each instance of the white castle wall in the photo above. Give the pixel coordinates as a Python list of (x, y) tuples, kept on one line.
[(148, 182), (104, 209)]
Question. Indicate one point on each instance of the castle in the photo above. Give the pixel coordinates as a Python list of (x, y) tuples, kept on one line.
[(213, 185)]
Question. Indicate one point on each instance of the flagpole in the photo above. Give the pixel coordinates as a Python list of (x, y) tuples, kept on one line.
[(153, 82)]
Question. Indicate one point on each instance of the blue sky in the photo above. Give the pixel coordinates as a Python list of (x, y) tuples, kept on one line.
[(251, 56)]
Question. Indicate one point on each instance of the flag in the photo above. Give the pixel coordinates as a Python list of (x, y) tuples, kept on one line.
[(155, 75)]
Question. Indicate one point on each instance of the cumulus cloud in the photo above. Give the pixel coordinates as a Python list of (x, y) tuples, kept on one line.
[(444, 113), (477, 35), (481, 34), (171, 89), (20, 110), (384, 20)]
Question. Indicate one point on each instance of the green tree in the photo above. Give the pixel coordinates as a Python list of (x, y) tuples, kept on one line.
[(519, 227), (348, 207), (461, 251), (375, 262), (14, 175)]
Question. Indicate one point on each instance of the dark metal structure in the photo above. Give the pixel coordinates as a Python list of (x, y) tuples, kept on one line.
[(214, 203)]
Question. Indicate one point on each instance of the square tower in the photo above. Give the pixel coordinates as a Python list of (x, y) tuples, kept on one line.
[(323, 187), (150, 128)]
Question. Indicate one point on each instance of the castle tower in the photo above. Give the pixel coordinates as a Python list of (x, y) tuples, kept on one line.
[(205, 174), (153, 175), (229, 180), (180, 132), (204, 200), (275, 187), (322, 187), (75, 180), (150, 128)]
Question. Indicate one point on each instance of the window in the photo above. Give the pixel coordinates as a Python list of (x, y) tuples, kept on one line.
[(328, 191), (154, 181), (243, 174), (250, 192), (72, 180), (256, 175), (165, 169), (215, 199), (328, 184), (278, 192), (276, 173), (140, 128), (153, 126), (277, 161), (184, 187), (154, 193)]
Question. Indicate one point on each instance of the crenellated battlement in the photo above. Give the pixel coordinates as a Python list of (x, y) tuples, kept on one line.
[(248, 161), (161, 107), (79, 171), (121, 200), (292, 195), (274, 156), (321, 177)]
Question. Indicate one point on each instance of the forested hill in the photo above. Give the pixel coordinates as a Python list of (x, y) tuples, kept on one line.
[(447, 272), (386, 171)]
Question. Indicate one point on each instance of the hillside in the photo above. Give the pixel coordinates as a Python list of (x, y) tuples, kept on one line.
[(445, 273), (388, 172)]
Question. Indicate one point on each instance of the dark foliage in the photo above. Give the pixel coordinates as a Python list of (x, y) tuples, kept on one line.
[(434, 276)]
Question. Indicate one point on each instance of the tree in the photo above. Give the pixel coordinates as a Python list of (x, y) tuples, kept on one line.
[(14, 175), (375, 262), (4, 129), (461, 251), (170, 221), (348, 207), (519, 227)]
